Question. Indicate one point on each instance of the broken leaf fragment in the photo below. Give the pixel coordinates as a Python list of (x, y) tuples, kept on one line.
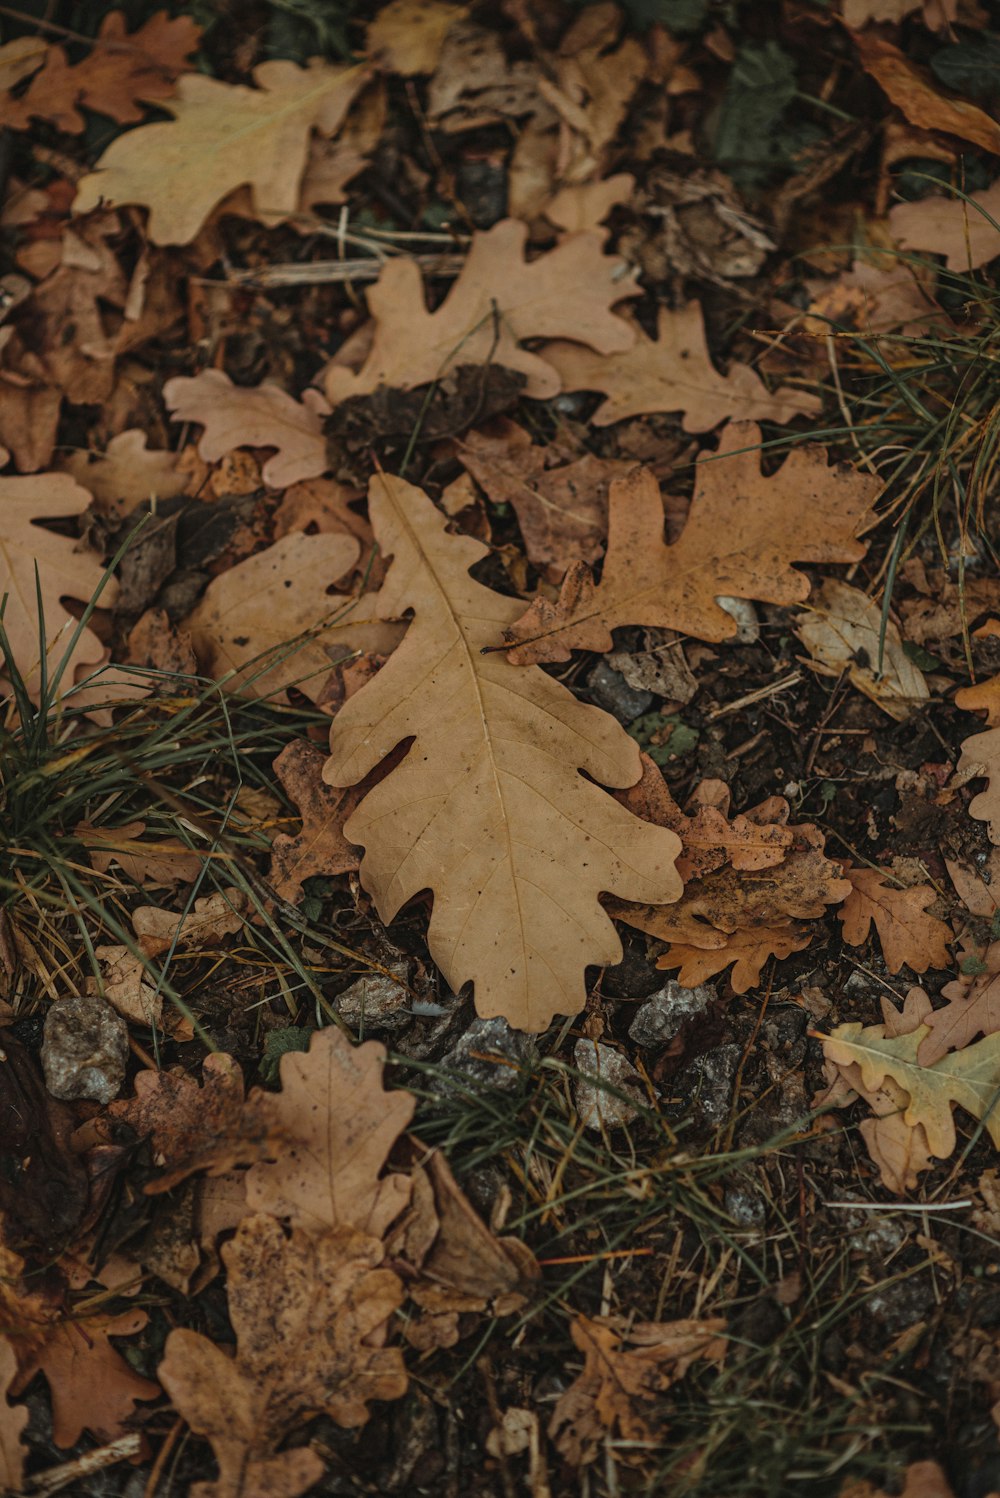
[(841, 629)]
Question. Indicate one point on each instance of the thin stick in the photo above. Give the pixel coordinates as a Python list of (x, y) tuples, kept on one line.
[(758, 696), (55, 1478), (321, 272)]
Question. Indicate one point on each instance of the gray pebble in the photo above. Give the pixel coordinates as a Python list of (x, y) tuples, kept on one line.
[(598, 1108), (611, 691), (84, 1049), (660, 1018)]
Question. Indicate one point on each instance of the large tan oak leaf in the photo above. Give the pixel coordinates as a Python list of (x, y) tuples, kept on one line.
[(498, 300), (743, 531), (223, 136), (62, 570), (674, 373), (488, 809)]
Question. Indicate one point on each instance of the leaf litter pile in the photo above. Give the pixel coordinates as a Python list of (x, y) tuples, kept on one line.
[(500, 749)]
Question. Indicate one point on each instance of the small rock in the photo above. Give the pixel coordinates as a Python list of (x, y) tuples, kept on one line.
[(377, 1002), (599, 1109), (84, 1050), (664, 1012), (612, 692), (743, 611), (708, 1082), (745, 1206), (487, 1038), (661, 668)]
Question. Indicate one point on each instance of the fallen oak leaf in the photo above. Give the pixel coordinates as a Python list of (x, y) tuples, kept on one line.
[(743, 532), (121, 71), (92, 1386), (320, 847), (406, 36), (841, 627), (962, 229), (123, 977), (625, 1367), (488, 808), (211, 1128), (909, 935), (271, 622), (253, 416), (673, 372), (223, 136), (746, 951), (909, 88), (13, 1419), (169, 862), (969, 1079), (125, 474), (309, 1315), (343, 1125), (213, 918), (972, 1009), (497, 302), (981, 757)]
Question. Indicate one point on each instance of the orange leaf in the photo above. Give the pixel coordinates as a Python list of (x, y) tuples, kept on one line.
[(909, 936), (911, 91)]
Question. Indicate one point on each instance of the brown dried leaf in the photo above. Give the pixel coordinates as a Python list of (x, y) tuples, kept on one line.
[(981, 757), (126, 474), (63, 571), (842, 628), (973, 1009), (624, 1368), (271, 622), (562, 508), (125, 986), (12, 1423), (963, 231), (497, 753), (309, 1315), (213, 919), (92, 1386), (497, 302), (253, 416), (169, 862), (406, 36), (320, 847), (223, 136), (343, 1124), (211, 1128), (747, 950), (119, 72), (742, 534), (673, 372), (910, 89), (908, 934)]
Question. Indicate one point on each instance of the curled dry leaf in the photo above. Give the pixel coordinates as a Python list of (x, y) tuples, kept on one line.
[(343, 1124), (841, 628), (743, 531), (673, 372), (496, 753), (125, 986), (625, 1367), (499, 300), (320, 847), (213, 919), (909, 935), (120, 72), (272, 622), (969, 1079), (223, 136), (253, 416), (309, 1315), (910, 89)]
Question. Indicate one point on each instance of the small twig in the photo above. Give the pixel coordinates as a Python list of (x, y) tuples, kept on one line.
[(322, 272), (758, 696), (900, 1206), (124, 1449)]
